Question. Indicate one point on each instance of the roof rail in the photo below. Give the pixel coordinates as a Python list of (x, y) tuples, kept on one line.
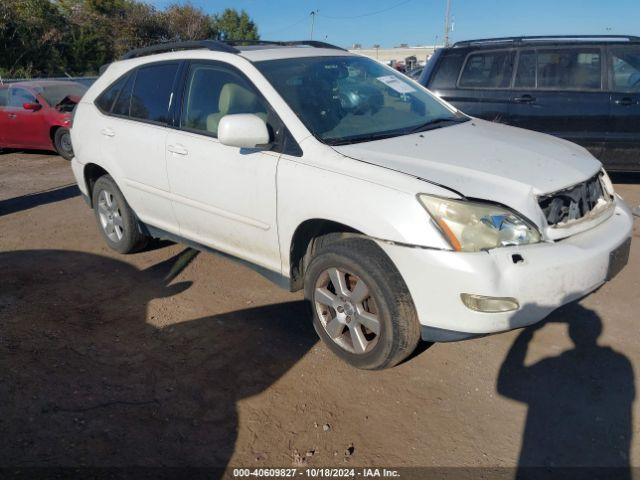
[(292, 43), (228, 46), (547, 38), (213, 45)]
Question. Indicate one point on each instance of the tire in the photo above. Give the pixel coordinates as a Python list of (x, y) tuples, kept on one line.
[(350, 260), (62, 143), (116, 221)]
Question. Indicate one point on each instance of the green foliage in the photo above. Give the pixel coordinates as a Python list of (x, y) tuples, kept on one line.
[(231, 25), (76, 37)]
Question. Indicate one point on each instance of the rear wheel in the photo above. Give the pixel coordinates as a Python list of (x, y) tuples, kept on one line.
[(361, 306), (62, 142), (117, 222)]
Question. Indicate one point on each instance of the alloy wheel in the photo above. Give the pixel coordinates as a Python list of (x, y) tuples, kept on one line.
[(110, 216), (347, 310)]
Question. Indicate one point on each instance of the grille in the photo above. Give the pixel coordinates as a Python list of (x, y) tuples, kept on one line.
[(575, 202)]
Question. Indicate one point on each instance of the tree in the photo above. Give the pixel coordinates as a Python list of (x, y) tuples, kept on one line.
[(231, 25), (186, 22)]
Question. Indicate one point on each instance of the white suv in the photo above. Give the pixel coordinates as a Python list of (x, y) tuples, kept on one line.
[(400, 216)]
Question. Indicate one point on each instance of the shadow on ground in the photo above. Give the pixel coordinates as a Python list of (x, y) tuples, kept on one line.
[(85, 380), (32, 200), (579, 402)]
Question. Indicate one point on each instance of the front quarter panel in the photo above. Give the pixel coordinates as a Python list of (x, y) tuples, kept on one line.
[(378, 202)]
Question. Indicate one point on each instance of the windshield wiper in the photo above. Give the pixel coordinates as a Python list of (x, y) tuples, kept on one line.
[(362, 138), (437, 123)]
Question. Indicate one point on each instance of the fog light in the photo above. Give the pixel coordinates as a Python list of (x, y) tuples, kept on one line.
[(480, 303)]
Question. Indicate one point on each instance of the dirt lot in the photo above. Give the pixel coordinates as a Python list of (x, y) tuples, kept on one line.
[(104, 362)]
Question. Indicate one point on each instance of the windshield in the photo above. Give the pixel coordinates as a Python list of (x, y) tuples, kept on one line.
[(353, 99), (54, 94)]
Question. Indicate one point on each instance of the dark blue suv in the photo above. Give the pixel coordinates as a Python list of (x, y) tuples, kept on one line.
[(583, 89)]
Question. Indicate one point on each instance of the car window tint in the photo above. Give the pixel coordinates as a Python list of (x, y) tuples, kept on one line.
[(123, 100), (214, 91), (4, 94), (625, 65), (447, 71), (20, 96), (152, 92), (488, 70), (107, 98), (526, 73), (570, 69)]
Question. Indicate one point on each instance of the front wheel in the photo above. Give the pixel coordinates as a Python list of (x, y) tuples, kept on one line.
[(361, 306), (62, 142)]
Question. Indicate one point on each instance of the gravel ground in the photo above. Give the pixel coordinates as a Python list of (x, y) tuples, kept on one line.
[(103, 361)]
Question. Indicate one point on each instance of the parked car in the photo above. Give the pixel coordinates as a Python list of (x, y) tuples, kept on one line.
[(398, 215), (37, 114), (583, 89)]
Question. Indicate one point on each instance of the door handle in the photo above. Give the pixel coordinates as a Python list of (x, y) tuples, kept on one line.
[(178, 149), (107, 132), (625, 101), (524, 99), (11, 115)]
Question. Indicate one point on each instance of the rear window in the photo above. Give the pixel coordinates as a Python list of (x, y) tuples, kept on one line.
[(152, 92), (3, 97), (488, 70), (107, 98), (570, 69), (447, 71)]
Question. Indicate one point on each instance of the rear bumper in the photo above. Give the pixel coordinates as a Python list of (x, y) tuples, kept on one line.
[(549, 275)]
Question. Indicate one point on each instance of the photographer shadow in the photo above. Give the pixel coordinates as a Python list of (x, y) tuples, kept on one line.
[(92, 376), (579, 402)]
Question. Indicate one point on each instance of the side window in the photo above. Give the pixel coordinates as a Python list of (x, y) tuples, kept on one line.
[(213, 91), (19, 96), (625, 69), (107, 98), (570, 69), (123, 100), (4, 94), (488, 70), (153, 92), (526, 72), (447, 72)]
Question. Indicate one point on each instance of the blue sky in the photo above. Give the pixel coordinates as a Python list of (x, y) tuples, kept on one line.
[(419, 21)]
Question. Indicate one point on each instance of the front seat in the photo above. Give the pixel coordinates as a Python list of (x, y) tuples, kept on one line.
[(235, 98)]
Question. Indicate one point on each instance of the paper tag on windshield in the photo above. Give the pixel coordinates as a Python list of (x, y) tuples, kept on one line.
[(398, 85)]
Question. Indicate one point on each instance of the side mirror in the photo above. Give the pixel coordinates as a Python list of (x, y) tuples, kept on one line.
[(34, 106), (243, 130)]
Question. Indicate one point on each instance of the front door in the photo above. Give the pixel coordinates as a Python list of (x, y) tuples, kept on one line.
[(622, 149), (224, 197), (25, 128), (559, 91)]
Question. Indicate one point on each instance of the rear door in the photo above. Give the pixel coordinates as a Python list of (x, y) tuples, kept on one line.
[(134, 132), (622, 148), (560, 91)]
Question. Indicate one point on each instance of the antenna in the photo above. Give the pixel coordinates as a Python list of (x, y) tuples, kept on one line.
[(447, 24)]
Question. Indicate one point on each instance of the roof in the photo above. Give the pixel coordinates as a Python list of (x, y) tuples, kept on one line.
[(548, 40)]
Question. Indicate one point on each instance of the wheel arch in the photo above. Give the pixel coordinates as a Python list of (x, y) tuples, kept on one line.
[(302, 244), (92, 172)]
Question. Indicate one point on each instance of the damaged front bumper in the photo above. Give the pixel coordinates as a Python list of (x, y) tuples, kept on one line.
[(540, 277)]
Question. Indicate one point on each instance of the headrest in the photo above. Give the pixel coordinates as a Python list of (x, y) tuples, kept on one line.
[(236, 99)]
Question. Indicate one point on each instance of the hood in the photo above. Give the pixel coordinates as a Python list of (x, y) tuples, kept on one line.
[(484, 160)]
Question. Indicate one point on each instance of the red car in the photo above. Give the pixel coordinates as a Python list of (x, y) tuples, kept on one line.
[(37, 114)]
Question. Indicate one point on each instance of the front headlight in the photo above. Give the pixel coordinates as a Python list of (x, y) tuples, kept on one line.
[(474, 226)]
